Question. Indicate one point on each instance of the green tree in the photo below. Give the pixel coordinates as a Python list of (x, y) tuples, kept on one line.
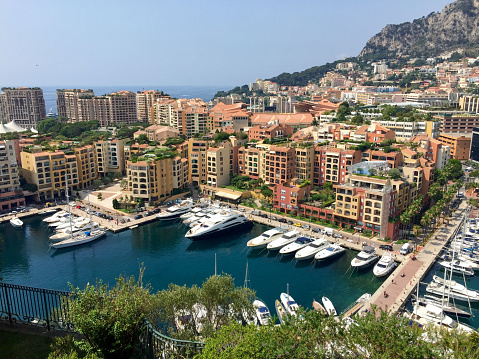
[(97, 182), (394, 173), (115, 203), (112, 319), (143, 138)]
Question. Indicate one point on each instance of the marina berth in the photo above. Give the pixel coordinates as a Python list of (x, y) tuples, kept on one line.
[(299, 243), (332, 250), (265, 238), (282, 241), (310, 250), (385, 265), (365, 258), (175, 211)]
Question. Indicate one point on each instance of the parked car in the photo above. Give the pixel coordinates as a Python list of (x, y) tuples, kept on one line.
[(337, 235), (242, 209), (282, 220), (297, 224), (305, 226), (264, 215), (289, 222), (157, 210), (138, 216), (110, 218), (316, 230), (386, 247), (149, 214), (274, 218)]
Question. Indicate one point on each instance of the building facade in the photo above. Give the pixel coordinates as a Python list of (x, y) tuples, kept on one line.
[(11, 195), (25, 106), (459, 145)]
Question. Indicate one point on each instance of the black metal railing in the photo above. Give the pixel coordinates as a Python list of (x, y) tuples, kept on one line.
[(35, 306), (50, 309)]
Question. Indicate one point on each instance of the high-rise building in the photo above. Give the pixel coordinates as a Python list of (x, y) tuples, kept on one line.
[(110, 155), (76, 104), (23, 105), (11, 195), (144, 104)]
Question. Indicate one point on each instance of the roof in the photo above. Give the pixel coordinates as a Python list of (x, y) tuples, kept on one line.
[(228, 195)]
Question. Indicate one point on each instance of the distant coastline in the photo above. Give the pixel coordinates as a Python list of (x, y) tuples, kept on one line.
[(206, 93)]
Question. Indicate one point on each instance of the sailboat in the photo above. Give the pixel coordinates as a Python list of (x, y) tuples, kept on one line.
[(86, 237)]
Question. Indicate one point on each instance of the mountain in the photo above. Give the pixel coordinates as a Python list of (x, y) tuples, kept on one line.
[(455, 28)]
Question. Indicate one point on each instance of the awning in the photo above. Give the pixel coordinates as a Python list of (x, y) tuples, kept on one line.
[(227, 195)]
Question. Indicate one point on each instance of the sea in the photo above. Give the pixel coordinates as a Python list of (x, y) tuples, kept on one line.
[(206, 93), (169, 257)]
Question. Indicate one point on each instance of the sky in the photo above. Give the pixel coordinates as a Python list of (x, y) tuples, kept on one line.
[(185, 43)]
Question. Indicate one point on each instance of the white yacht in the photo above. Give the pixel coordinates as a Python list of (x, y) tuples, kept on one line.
[(310, 250), (77, 222), (74, 231), (191, 213), (328, 305), (16, 222), (265, 238), (365, 258), (440, 290), (453, 286), (385, 265), (55, 217), (458, 267), (289, 304), (431, 314), (298, 244), (80, 239), (332, 250), (282, 241), (226, 220), (263, 315), (176, 210), (445, 305)]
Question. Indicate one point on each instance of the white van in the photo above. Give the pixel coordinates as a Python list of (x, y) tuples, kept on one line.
[(406, 248), (327, 231)]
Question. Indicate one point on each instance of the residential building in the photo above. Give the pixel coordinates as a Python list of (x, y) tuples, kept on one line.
[(158, 132), (144, 104), (460, 145), (223, 115), (280, 164), (197, 161), (249, 162), (121, 108), (87, 165), (304, 160), (270, 132), (373, 133), (11, 195), (219, 164), (405, 130), (179, 172), (49, 170), (458, 123), (110, 156), (394, 158), (331, 164), (288, 195), (76, 104), (191, 120), (292, 119), (23, 105)]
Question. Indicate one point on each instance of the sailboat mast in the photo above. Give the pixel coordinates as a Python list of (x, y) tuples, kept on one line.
[(68, 205), (246, 276), (89, 209), (215, 264)]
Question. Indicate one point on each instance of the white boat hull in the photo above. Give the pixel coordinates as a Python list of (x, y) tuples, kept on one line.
[(79, 240)]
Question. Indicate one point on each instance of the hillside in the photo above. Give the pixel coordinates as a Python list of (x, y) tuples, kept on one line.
[(454, 28)]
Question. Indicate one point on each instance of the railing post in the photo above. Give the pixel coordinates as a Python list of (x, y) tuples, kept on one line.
[(151, 354), (47, 314), (5, 293)]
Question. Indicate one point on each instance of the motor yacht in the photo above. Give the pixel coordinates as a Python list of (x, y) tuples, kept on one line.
[(55, 217), (365, 258), (440, 289), (265, 238), (191, 213), (431, 314), (16, 222), (445, 305), (289, 304), (282, 241), (176, 210), (332, 250), (328, 305), (263, 316), (453, 286), (226, 220), (310, 250), (298, 244), (385, 265), (458, 267)]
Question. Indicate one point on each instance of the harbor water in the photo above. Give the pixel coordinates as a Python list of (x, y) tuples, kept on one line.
[(169, 257)]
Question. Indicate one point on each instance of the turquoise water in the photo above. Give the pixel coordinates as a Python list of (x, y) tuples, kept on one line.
[(171, 258)]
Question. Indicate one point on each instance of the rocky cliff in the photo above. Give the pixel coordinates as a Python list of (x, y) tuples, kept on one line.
[(456, 27)]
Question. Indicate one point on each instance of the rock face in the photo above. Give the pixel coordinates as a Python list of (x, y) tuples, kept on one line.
[(456, 27)]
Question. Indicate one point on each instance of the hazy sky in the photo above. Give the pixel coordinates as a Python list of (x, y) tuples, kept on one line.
[(172, 42)]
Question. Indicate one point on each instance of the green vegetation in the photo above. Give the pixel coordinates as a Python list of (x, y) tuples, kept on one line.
[(317, 336), (243, 182)]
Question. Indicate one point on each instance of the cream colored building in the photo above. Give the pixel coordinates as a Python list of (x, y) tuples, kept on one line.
[(197, 161), (304, 161), (110, 155), (23, 105), (144, 104), (11, 195), (219, 164), (76, 104)]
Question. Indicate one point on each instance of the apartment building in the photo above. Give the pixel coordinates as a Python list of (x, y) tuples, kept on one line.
[(373, 133), (23, 105), (76, 104), (179, 172), (11, 195), (394, 158), (149, 179), (49, 170), (87, 165), (122, 109), (222, 115), (192, 120), (434, 150), (459, 145), (110, 155), (458, 123), (280, 164), (304, 161), (404, 130), (197, 164), (287, 196), (273, 131), (249, 162), (432, 99), (158, 132), (144, 104), (219, 163), (331, 164)]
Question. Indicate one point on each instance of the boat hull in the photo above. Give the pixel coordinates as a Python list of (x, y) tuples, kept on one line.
[(87, 239), (202, 236)]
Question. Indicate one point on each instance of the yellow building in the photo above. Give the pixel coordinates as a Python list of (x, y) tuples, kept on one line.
[(197, 164), (110, 155), (219, 164)]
